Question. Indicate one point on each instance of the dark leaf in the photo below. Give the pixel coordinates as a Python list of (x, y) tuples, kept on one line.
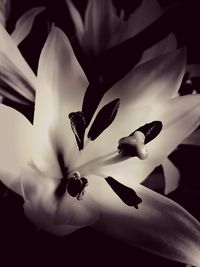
[(104, 118), (126, 194)]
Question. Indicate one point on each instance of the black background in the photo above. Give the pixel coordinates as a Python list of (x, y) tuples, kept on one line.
[(20, 242)]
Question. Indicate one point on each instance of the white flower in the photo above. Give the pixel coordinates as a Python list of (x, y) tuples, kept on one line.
[(35, 158), (102, 29)]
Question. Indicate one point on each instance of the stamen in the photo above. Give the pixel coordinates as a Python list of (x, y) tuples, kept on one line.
[(150, 130), (78, 127), (76, 186), (126, 194), (103, 119), (134, 144)]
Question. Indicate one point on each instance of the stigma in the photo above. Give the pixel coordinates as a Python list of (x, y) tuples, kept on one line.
[(133, 146)]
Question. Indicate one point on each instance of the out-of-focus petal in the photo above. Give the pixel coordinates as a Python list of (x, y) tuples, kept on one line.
[(15, 145), (165, 46), (172, 176), (13, 83), (159, 225), (24, 24), (10, 50), (100, 25), (4, 11), (61, 87), (77, 20), (156, 80), (143, 16)]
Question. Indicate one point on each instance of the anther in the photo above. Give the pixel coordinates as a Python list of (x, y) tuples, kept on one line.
[(78, 127), (134, 144), (76, 186)]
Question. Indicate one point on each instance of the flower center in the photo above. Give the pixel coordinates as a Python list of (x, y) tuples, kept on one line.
[(74, 184)]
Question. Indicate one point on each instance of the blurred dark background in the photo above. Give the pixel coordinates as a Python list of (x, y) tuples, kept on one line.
[(21, 243)]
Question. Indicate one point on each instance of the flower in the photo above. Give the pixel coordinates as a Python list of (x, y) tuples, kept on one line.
[(47, 161), (102, 28), (19, 89)]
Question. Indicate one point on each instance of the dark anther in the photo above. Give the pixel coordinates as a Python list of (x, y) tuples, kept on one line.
[(126, 194), (78, 127), (104, 118), (76, 186), (150, 130)]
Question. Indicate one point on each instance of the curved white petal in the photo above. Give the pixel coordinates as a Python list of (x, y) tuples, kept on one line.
[(172, 176), (156, 80), (15, 146), (24, 24), (49, 211), (14, 84), (61, 87), (165, 46), (180, 116), (10, 50), (159, 225)]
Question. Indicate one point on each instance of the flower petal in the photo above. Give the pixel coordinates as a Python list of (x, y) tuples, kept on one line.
[(15, 146), (179, 116), (172, 176), (77, 20), (143, 16), (165, 46), (42, 222), (62, 85), (24, 24), (4, 11), (101, 23), (153, 81), (159, 225), (13, 83), (50, 213), (10, 50)]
